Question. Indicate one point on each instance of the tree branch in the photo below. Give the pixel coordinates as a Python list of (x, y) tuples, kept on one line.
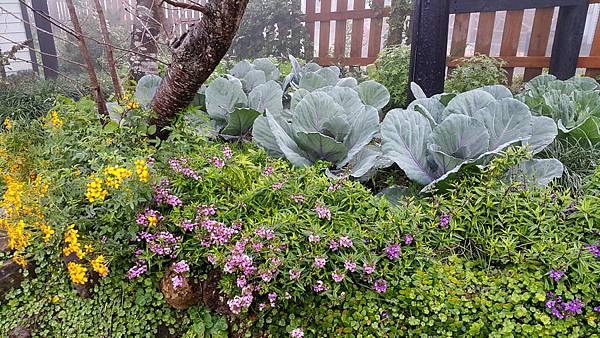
[(195, 6)]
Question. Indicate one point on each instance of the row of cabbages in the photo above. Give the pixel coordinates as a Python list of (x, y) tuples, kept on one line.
[(313, 114)]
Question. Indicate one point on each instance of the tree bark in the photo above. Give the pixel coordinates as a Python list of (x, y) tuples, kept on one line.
[(87, 58), (108, 48), (196, 54), (144, 38)]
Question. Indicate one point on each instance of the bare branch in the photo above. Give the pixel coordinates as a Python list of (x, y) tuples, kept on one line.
[(43, 53), (193, 6)]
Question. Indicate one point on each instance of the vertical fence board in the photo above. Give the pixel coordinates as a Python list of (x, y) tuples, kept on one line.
[(567, 40), (357, 31), (340, 31), (324, 30), (540, 34), (310, 26), (375, 28), (460, 33), (595, 51), (485, 32), (510, 37)]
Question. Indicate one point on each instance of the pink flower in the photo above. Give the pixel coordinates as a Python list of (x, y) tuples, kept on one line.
[(323, 212), (380, 285), (314, 238), (334, 187), (277, 186), (319, 262), (350, 266), (217, 162), (320, 286), (369, 269), (177, 282), (333, 245), (408, 239), (264, 233), (181, 267), (207, 210), (393, 251), (345, 242), (268, 171), (298, 198), (337, 276), (272, 297), (297, 333), (241, 281), (294, 274), (227, 153)]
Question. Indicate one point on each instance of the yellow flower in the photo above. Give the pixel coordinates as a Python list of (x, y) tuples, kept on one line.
[(152, 221), (47, 231), (55, 299), (95, 191), (55, 120), (19, 260), (115, 176), (18, 238), (99, 265), (77, 272), (8, 123), (109, 141), (142, 171), (89, 249), (72, 239)]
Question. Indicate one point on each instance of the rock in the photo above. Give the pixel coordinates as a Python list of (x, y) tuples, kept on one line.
[(182, 297), (19, 332), (212, 297), (10, 276), (3, 241)]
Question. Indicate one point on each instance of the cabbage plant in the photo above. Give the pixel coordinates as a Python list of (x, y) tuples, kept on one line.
[(573, 104), (235, 101), (331, 123), (435, 137), (312, 76)]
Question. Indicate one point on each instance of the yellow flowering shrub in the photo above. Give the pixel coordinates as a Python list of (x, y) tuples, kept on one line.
[(142, 171), (72, 241), (95, 190), (55, 120), (77, 273), (99, 265), (114, 176)]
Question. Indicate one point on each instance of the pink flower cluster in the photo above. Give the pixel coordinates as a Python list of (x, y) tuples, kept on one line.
[(323, 212), (206, 210), (227, 153), (162, 243), (181, 166), (177, 282), (181, 267), (218, 233), (268, 171), (217, 162), (163, 195), (298, 198), (149, 214), (137, 270)]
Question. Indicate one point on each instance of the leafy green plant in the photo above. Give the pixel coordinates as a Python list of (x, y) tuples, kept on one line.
[(474, 72), (435, 137), (574, 104), (333, 123), (391, 70)]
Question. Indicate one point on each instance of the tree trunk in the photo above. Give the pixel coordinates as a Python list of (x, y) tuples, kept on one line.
[(144, 38), (195, 56), (87, 58), (108, 48)]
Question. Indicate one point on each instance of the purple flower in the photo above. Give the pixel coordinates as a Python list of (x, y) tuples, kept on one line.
[(320, 286), (369, 268), (556, 275), (217, 162), (139, 269), (188, 225), (297, 333), (594, 249), (408, 239), (445, 220), (239, 303), (277, 186), (177, 282), (380, 285), (597, 309), (294, 274), (319, 262), (264, 233), (314, 238), (574, 306), (149, 218), (350, 266), (337, 276), (207, 210), (181, 267), (163, 195), (556, 313), (180, 166), (345, 242), (334, 187), (227, 153), (298, 198), (268, 171), (393, 251), (241, 281), (323, 212), (163, 243)]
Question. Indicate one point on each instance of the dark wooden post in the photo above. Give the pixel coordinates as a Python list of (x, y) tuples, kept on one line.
[(568, 39), (429, 45), (27, 23), (45, 38)]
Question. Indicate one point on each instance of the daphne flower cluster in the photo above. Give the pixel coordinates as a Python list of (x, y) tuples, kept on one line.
[(227, 153), (345, 242), (337, 276), (163, 194), (369, 268), (350, 266), (312, 238), (334, 187), (277, 186), (149, 218), (323, 212), (181, 267), (556, 275), (217, 162), (206, 210), (264, 233), (297, 333), (268, 171), (240, 303), (177, 282), (319, 262), (594, 249), (445, 220), (162, 243), (218, 233), (181, 166), (319, 287), (561, 309), (298, 198), (380, 285), (408, 239), (137, 270), (393, 251), (188, 225)]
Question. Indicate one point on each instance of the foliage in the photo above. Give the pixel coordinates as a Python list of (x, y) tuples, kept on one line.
[(574, 104), (331, 123), (391, 70), (435, 137), (579, 158), (474, 72), (399, 21), (270, 28)]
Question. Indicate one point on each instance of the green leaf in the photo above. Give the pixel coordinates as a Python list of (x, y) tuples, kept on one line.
[(240, 121)]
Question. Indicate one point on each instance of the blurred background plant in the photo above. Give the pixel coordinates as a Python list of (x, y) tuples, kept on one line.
[(475, 72)]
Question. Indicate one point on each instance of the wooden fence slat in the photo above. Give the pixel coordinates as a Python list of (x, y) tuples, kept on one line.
[(310, 26), (540, 34), (460, 33), (510, 37), (324, 29), (568, 38), (357, 31), (375, 28), (340, 31), (595, 51), (485, 32)]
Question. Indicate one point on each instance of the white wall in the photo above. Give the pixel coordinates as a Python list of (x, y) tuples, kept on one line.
[(12, 29)]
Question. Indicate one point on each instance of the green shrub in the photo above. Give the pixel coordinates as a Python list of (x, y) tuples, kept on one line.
[(475, 72), (391, 70)]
